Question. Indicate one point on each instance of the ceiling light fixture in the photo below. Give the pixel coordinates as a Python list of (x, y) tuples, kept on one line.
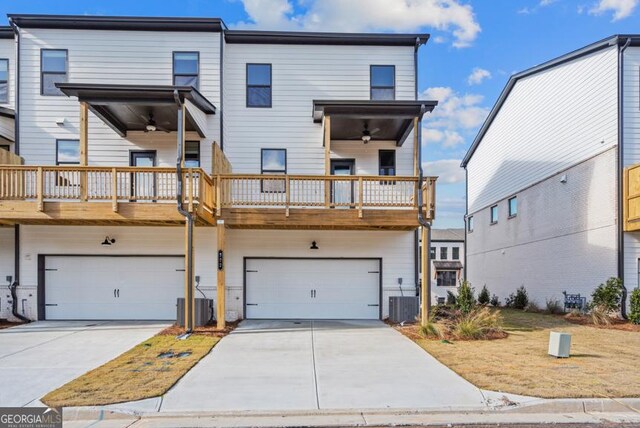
[(108, 241), (314, 246)]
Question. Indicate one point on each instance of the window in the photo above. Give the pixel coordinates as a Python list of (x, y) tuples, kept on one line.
[(258, 85), (443, 253), (274, 161), (513, 207), (446, 278), (4, 80), (455, 253), (67, 153), (186, 66), (494, 214), (53, 66), (383, 82), (192, 154), (470, 223), (432, 253)]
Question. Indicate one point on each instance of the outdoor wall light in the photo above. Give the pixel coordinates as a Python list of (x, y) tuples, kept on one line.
[(108, 241), (314, 246)]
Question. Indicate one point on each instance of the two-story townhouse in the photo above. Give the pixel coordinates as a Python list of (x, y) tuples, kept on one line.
[(285, 142), (547, 203), (446, 256)]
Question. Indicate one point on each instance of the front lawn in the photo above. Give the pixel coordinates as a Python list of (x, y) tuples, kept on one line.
[(146, 371), (603, 361)]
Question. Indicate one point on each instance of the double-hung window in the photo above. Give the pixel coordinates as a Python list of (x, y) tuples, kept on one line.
[(273, 161), (513, 207), (446, 278), (186, 69), (53, 67), (432, 253), (192, 154), (259, 85), (4, 80), (383, 82), (67, 153), (455, 253), (470, 224), (387, 164), (494, 214), (443, 253)]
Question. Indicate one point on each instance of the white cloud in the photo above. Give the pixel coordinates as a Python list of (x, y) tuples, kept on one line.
[(524, 11), (620, 8), (544, 3), (366, 15), (478, 75), (448, 171), (455, 111), (439, 39)]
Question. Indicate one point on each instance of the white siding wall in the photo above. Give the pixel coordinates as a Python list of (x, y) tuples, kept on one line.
[(631, 153), (6, 268), (550, 121), (563, 238), (109, 57), (442, 291), (8, 51), (301, 74)]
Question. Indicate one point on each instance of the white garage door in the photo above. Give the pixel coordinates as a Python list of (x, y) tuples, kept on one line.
[(312, 289), (98, 288)]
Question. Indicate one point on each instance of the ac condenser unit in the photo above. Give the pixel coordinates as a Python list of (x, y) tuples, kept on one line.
[(403, 308)]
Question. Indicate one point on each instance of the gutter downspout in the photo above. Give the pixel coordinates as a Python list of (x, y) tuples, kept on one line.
[(186, 214), (623, 303)]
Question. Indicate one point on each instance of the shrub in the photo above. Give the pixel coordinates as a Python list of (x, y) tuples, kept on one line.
[(495, 301), (483, 297), (451, 298), (466, 299), (554, 307), (480, 323), (607, 296), (517, 300), (634, 307), (532, 306)]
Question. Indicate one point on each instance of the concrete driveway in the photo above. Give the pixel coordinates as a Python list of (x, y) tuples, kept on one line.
[(39, 357), (286, 365)]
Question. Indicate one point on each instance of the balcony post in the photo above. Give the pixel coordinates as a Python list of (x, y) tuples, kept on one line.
[(84, 144), (114, 190), (360, 196), (221, 284), (425, 277), (288, 194), (327, 160), (40, 189)]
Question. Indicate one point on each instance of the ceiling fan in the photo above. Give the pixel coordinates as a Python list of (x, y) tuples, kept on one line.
[(366, 133), (151, 125)]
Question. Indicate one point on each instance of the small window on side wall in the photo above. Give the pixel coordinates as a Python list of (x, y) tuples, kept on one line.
[(513, 207), (192, 154), (383, 82), (53, 67), (470, 224), (4, 81), (273, 161), (186, 69), (432, 253), (494, 214), (259, 85)]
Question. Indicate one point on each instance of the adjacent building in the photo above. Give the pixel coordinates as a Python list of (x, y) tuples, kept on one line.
[(551, 178)]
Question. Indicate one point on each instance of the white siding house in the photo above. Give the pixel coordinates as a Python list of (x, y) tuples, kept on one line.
[(543, 178)]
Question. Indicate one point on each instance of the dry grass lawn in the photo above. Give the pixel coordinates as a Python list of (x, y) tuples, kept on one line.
[(603, 361), (134, 375)]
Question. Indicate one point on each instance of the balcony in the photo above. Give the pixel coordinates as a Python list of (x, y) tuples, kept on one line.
[(147, 196)]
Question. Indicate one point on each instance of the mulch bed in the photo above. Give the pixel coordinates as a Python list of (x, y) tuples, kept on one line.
[(7, 324), (616, 324), (206, 330)]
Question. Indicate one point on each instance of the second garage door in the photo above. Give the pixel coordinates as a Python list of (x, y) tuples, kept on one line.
[(312, 288)]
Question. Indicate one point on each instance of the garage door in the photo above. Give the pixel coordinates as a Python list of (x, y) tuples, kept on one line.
[(312, 288), (97, 288)]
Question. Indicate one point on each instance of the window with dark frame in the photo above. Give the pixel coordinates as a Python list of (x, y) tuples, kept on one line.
[(192, 154), (387, 164), (455, 253), (513, 207), (443, 253), (470, 224), (432, 253), (273, 161), (67, 153), (494, 214), (4, 80), (259, 85), (383, 82), (446, 278), (186, 69), (53, 69)]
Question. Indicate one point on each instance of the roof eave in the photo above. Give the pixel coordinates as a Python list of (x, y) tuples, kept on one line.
[(323, 38)]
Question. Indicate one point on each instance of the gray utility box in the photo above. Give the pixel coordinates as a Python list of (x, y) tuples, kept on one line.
[(203, 311), (559, 344), (403, 308)]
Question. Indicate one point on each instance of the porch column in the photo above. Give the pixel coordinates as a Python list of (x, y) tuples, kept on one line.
[(84, 144), (221, 292), (189, 303), (425, 286), (327, 160)]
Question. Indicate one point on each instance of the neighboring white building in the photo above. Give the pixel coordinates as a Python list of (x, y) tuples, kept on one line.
[(544, 176), (306, 107), (446, 257)]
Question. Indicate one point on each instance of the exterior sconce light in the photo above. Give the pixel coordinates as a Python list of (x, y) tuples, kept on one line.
[(314, 246), (108, 241)]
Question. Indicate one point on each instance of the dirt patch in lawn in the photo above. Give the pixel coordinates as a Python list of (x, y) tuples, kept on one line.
[(206, 330), (148, 370), (616, 324), (602, 362)]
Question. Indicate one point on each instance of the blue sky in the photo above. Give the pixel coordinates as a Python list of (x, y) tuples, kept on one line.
[(475, 47)]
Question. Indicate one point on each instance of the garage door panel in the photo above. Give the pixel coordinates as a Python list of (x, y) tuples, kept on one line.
[(313, 288)]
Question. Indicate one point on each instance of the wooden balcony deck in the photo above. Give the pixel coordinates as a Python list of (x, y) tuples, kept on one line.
[(147, 196)]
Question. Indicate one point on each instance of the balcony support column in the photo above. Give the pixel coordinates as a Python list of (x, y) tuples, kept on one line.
[(84, 145), (221, 283), (425, 277), (327, 160)]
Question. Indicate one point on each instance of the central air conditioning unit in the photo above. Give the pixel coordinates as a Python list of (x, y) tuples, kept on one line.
[(403, 308), (203, 310)]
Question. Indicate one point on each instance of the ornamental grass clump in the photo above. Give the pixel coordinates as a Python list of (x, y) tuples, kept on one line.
[(480, 323)]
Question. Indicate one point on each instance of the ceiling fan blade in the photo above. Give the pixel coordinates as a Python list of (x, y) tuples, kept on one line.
[(374, 131), (160, 128)]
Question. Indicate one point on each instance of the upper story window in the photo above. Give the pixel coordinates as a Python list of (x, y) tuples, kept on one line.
[(383, 82), (513, 207), (470, 223), (443, 253), (432, 253), (258, 85), (494, 214), (192, 154), (387, 162), (4, 80), (186, 68), (455, 253), (53, 66), (273, 161), (67, 152)]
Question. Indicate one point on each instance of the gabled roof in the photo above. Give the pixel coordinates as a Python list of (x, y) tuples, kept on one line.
[(449, 235), (131, 23), (313, 38), (616, 40)]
